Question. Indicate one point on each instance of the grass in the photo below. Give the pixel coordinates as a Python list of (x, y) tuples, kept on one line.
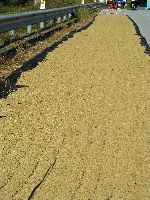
[(11, 9), (81, 13), (26, 52), (21, 33)]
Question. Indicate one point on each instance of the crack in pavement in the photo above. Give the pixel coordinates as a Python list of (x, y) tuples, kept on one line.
[(78, 186), (51, 167)]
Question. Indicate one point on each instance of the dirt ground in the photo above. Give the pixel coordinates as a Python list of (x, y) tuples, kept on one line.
[(78, 125)]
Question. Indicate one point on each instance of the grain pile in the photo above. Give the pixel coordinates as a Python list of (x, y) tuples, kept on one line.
[(78, 126)]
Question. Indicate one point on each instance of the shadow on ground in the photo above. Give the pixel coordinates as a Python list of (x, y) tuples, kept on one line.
[(9, 84), (143, 40)]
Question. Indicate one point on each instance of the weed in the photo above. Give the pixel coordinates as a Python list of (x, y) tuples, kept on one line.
[(81, 13)]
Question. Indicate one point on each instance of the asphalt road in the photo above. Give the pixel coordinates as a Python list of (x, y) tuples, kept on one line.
[(142, 19)]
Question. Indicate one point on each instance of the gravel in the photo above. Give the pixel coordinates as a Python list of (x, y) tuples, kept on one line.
[(78, 125)]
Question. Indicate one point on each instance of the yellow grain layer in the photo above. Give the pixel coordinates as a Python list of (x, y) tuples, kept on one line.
[(83, 123)]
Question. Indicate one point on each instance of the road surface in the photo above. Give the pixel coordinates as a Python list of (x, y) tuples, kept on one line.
[(142, 19)]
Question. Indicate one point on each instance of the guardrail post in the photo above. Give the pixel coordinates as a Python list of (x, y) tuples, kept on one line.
[(52, 22), (58, 19), (12, 33), (29, 29), (27, 19), (64, 18), (69, 16), (42, 25)]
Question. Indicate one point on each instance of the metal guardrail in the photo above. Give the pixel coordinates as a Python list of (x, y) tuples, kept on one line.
[(12, 22)]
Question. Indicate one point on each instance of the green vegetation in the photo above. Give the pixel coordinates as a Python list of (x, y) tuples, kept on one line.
[(141, 3), (81, 13), (14, 6)]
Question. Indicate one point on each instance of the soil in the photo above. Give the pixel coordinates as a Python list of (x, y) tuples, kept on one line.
[(77, 126)]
